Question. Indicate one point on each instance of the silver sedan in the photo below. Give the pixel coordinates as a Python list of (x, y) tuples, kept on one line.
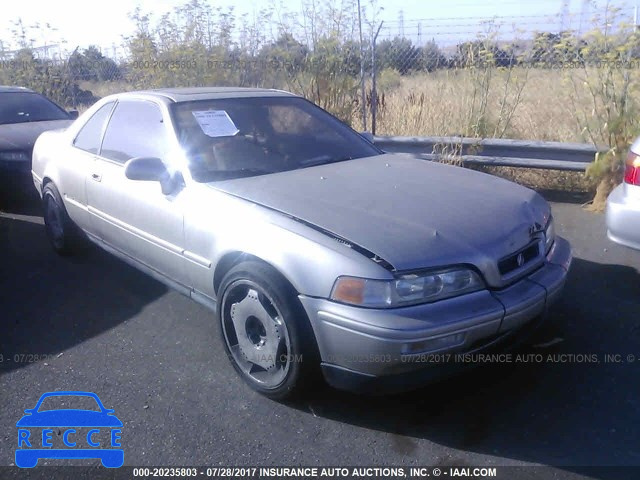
[(623, 204), (317, 251)]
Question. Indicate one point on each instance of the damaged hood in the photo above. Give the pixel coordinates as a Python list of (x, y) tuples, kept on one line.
[(411, 213)]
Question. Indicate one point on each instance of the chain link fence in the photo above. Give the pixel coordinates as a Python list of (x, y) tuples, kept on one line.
[(470, 76), (521, 77)]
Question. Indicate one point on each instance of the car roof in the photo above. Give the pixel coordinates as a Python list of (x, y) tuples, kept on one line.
[(208, 93), (13, 89)]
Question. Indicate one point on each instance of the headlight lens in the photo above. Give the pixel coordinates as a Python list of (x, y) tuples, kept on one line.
[(14, 156), (405, 290), (549, 235)]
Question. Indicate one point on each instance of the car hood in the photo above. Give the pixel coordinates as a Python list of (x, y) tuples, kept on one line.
[(22, 136), (410, 212), (69, 418)]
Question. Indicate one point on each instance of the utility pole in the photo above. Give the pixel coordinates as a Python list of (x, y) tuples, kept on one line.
[(564, 15), (363, 98), (584, 15), (374, 93)]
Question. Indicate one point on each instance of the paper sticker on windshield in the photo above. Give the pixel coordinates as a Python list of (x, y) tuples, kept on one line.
[(216, 123)]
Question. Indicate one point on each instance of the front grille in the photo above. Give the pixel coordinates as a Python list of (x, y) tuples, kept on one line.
[(512, 262)]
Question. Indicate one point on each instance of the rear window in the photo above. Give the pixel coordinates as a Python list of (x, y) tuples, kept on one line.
[(24, 107)]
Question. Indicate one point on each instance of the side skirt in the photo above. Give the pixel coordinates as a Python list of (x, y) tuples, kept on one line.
[(198, 297)]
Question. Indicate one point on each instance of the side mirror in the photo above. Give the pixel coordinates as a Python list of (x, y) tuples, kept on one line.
[(145, 168), (73, 114), (368, 136), (150, 169)]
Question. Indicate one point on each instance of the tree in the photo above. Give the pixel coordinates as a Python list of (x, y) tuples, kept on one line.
[(286, 52), (52, 80), (92, 65), (555, 48), (399, 54), (431, 57)]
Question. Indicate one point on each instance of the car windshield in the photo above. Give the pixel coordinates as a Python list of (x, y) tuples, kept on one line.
[(23, 107), (240, 137), (68, 402)]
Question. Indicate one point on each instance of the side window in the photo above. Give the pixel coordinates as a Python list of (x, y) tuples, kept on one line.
[(136, 129), (89, 137)]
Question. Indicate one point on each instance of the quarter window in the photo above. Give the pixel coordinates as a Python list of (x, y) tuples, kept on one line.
[(91, 134), (136, 129)]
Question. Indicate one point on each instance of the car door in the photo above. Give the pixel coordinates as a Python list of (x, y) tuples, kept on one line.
[(79, 162), (134, 216)]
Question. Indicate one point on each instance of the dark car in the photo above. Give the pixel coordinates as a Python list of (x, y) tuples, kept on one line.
[(24, 115)]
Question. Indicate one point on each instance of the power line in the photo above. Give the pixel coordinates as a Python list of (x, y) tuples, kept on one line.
[(494, 17), (499, 3)]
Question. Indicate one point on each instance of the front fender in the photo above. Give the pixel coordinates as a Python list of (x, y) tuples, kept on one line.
[(43, 164), (309, 259)]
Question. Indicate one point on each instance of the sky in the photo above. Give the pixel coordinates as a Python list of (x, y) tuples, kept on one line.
[(88, 22)]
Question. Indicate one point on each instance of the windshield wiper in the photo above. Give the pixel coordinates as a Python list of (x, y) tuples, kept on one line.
[(240, 172), (324, 160)]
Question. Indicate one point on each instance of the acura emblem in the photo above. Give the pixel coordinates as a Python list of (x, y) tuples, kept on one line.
[(520, 260)]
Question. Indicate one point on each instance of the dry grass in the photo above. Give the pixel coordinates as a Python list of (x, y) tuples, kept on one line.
[(442, 103), (521, 104), (542, 179), (102, 89)]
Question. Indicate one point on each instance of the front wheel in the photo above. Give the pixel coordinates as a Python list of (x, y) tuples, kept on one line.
[(59, 227), (266, 332)]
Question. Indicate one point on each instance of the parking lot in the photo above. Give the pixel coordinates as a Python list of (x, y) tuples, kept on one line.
[(93, 323)]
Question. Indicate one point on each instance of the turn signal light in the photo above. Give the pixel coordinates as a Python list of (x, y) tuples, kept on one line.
[(632, 170)]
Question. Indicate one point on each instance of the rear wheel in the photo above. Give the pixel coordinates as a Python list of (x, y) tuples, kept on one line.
[(266, 332), (60, 229)]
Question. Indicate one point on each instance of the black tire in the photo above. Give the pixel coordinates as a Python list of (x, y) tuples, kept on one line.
[(280, 381), (61, 231)]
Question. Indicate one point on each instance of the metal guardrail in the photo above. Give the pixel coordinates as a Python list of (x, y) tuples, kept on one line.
[(495, 152)]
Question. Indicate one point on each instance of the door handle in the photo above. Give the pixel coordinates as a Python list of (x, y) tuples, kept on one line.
[(96, 176)]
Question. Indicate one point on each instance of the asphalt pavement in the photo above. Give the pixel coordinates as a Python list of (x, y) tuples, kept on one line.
[(93, 323)]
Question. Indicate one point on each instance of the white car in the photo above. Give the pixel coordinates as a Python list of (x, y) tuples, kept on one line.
[(623, 204)]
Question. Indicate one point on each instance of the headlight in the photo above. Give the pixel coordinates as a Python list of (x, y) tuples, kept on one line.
[(405, 290), (15, 156), (549, 235)]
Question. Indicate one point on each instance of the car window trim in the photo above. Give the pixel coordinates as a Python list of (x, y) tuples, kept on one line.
[(104, 128), (133, 100)]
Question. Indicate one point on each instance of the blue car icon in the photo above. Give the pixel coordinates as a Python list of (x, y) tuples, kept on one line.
[(82, 432)]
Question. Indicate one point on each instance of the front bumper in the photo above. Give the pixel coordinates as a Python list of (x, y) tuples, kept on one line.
[(623, 216), (366, 349)]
